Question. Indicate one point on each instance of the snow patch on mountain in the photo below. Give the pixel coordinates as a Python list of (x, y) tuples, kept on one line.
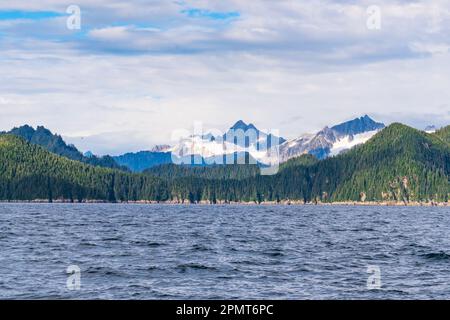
[(430, 129), (240, 139), (350, 141), (245, 139), (214, 151), (331, 141)]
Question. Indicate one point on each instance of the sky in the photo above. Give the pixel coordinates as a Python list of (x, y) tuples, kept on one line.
[(136, 71)]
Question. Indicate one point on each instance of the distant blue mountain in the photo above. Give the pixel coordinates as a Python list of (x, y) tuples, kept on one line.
[(243, 126), (88, 154), (139, 161)]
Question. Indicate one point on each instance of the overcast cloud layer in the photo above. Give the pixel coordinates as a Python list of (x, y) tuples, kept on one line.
[(137, 70)]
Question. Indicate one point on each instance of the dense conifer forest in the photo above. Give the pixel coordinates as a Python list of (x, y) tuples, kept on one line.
[(398, 164)]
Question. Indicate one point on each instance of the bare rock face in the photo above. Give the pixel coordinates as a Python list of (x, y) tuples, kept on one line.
[(322, 143), (318, 145), (161, 148)]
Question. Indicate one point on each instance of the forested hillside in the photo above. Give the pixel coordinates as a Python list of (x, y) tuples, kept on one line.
[(444, 134), (55, 144), (398, 164), (219, 172), (28, 172)]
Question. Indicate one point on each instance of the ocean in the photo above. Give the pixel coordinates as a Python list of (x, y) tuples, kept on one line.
[(121, 251)]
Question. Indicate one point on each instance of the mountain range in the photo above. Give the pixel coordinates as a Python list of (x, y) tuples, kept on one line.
[(331, 141), (208, 149), (396, 164)]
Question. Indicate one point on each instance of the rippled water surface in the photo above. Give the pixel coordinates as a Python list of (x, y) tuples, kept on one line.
[(223, 252)]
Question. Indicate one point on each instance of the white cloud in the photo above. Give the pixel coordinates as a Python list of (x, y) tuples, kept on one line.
[(430, 48), (141, 69)]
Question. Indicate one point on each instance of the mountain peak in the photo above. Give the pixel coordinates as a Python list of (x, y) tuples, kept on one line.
[(88, 154), (239, 125), (55, 144), (358, 125), (24, 131), (25, 127), (430, 129), (28, 132)]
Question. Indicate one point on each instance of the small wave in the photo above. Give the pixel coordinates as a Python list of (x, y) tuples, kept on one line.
[(363, 230), (152, 268), (112, 239), (103, 271), (252, 262), (199, 247), (154, 244), (88, 244), (275, 253), (438, 256), (148, 243), (194, 266)]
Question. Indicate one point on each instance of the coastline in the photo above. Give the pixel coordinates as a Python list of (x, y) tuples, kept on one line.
[(241, 203)]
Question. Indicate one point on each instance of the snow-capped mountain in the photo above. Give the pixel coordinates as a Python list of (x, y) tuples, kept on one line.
[(260, 137), (430, 129), (331, 141), (240, 140), (244, 143)]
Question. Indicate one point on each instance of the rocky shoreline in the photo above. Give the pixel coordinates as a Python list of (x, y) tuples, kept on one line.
[(281, 203)]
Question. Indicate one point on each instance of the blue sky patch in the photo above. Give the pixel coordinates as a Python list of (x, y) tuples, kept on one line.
[(215, 15), (28, 15)]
